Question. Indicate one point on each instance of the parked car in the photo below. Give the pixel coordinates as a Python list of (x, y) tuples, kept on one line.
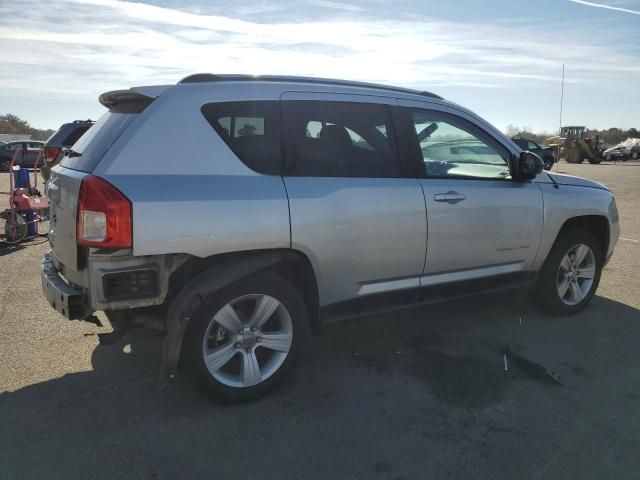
[(546, 153), (57, 144), (31, 149), (615, 153), (300, 201), (634, 151)]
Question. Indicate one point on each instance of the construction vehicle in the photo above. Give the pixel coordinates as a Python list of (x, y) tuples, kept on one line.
[(574, 145)]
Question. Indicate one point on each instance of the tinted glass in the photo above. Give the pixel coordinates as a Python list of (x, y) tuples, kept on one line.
[(251, 129), (521, 143), (75, 134), (339, 139), (452, 147), (90, 148)]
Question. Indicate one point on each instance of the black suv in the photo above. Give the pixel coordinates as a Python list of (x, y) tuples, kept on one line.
[(546, 153), (58, 143)]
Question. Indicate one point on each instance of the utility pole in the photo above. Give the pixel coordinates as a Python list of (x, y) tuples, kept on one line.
[(560, 128)]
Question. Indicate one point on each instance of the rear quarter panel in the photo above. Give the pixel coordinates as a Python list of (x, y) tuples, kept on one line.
[(189, 191)]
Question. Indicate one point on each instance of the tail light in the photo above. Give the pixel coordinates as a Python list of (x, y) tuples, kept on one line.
[(51, 153), (104, 215)]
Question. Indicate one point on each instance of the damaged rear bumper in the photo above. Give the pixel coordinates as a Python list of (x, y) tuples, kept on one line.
[(66, 299)]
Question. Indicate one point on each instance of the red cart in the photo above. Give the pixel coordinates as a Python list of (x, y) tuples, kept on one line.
[(28, 212)]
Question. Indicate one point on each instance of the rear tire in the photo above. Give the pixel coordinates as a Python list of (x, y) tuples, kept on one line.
[(595, 161), (571, 273), (245, 339)]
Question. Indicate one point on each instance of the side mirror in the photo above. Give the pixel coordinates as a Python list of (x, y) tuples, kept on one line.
[(528, 166)]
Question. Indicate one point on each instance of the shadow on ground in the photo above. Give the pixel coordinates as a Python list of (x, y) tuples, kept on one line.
[(418, 394), (7, 248)]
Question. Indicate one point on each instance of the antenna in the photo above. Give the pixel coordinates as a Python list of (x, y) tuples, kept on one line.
[(561, 99)]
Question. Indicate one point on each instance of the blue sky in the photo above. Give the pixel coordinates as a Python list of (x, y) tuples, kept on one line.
[(502, 59)]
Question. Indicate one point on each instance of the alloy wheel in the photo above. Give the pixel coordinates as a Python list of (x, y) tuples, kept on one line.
[(247, 340), (576, 274)]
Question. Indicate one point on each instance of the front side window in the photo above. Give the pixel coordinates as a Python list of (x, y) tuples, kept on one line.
[(339, 139), (454, 148), (532, 145), (251, 129)]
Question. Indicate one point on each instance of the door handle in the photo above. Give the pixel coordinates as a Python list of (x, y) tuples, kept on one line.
[(449, 197)]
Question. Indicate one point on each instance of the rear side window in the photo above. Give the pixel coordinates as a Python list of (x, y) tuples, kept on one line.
[(251, 129), (339, 139)]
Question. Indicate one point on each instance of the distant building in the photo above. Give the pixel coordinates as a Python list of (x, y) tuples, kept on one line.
[(13, 137)]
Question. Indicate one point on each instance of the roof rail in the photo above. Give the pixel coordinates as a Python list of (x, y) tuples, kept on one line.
[(200, 77), (424, 93), (210, 77)]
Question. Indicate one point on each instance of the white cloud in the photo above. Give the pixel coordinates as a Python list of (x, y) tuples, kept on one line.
[(605, 6), (80, 47), (347, 7)]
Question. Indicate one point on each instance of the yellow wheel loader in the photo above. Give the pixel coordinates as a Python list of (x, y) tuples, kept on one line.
[(575, 146)]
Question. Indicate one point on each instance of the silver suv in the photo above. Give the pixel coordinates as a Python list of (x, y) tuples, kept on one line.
[(251, 210)]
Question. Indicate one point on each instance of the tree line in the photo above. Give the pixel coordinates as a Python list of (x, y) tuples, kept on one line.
[(10, 123), (612, 136)]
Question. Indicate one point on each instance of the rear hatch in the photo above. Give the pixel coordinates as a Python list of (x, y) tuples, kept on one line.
[(80, 161)]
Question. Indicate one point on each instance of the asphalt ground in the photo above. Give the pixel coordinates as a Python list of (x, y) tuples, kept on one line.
[(418, 394)]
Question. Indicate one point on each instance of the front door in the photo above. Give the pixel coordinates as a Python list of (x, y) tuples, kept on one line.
[(481, 223)]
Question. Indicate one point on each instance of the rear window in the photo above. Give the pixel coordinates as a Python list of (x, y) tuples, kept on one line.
[(91, 147), (75, 134), (251, 129)]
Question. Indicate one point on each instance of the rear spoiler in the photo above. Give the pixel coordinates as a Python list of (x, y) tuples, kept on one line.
[(125, 101)]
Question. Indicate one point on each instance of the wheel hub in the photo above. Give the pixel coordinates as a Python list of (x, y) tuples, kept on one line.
[(258, 337), (576, 273), (247, 338)]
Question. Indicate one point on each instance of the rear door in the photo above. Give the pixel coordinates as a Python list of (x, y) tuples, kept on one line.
[(481, 222), (355, 210)]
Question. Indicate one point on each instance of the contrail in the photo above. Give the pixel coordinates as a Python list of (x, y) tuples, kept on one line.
[(607, 7)]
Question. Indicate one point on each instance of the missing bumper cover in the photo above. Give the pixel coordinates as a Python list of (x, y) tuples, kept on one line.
[(130, 284)]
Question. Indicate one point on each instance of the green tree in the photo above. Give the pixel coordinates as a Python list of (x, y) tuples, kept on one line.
[(10, 123)]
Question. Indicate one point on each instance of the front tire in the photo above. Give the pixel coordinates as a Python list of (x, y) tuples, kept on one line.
[(571, 274), (245, 339), (574, 157)]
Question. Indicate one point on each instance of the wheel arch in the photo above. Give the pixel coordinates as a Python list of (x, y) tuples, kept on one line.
[(200, 276), (597, 225)]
